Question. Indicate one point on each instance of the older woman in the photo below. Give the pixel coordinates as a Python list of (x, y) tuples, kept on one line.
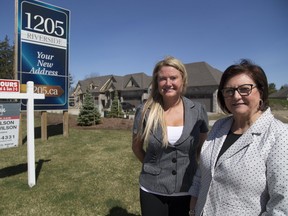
[(244, 161), (171, 127)]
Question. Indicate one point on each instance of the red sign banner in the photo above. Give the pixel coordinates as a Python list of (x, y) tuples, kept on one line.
[(7, 85)]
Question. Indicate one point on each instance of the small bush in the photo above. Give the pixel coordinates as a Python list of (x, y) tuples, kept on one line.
[(116, 109), (89, 114)]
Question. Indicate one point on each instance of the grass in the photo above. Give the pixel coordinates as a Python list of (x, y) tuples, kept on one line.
[(92, 172), (278, 104)]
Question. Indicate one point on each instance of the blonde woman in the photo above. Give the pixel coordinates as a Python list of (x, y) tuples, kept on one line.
[(167, 131)]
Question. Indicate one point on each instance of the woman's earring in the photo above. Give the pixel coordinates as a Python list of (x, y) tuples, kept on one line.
[(260, 104)]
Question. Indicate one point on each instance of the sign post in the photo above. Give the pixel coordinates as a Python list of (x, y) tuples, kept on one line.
[(30, 96), (30, 135)]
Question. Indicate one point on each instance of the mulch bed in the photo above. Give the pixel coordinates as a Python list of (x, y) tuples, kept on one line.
[(106, 123)]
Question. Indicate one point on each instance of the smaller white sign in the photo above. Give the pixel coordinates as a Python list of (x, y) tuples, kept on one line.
[(9, 124), (43, 39)]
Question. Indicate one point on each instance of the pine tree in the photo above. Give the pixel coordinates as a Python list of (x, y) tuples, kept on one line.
[(116, 109), (271, 88), (6, 59), (89, 114)]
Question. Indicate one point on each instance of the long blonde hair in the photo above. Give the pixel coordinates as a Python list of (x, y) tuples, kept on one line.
[(153, 107)]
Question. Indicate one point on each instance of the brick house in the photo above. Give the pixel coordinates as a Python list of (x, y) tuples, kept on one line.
[(203, 81)]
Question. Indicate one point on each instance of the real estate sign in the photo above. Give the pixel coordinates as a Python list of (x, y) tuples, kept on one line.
[(43, 48), (9, 124), (7, 85)]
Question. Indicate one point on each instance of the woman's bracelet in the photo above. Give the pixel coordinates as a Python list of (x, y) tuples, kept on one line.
[(191, 212)]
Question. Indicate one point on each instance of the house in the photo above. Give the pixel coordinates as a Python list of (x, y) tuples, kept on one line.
[(281, 94), (131, 88), (203, 81)]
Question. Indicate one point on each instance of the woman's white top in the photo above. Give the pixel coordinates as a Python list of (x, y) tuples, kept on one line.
[(174, 133)]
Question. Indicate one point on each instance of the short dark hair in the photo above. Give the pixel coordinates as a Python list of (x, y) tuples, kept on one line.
[(255, 72)]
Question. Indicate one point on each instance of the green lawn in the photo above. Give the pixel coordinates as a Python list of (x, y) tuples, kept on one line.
[(93, 172)]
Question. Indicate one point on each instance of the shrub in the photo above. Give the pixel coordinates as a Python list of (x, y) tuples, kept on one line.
[(116, 109), (89, 114)]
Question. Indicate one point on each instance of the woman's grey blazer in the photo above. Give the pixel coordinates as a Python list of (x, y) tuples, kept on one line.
[(251, 177), (171, 170)]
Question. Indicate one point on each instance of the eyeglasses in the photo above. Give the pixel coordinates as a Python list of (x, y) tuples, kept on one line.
[(243, 90)]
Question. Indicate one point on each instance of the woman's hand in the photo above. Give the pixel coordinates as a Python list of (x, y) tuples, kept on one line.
[(193, 202)]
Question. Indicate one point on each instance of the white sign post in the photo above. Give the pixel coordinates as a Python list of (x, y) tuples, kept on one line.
[(30, 96)]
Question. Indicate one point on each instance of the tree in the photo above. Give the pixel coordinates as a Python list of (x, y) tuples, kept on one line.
[(116, 109), (6, 59), (89, 114), (70, 81), (271, 88), (284, 86)]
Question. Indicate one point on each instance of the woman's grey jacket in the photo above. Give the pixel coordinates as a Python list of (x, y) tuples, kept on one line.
[(170, 170)]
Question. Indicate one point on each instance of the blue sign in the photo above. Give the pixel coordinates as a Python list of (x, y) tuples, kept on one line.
[(43, 48)]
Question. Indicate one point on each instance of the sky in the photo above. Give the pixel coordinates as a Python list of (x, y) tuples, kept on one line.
[(122, 37)]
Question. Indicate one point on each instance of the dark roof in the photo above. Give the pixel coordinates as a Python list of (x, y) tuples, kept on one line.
[(282, 93), (142, 79), (119, 82), (97, 81), (202, 74), (199, 74)]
